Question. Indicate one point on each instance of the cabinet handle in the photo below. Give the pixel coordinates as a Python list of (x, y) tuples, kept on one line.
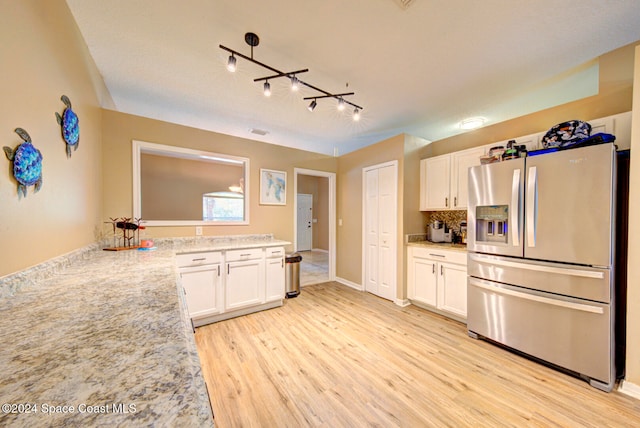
[(441, 270), (437, 255), (218, 270), (446, 202), (199, 259), (455, 201), (282, 260), (245, 255), (433, 268), (228, 272)]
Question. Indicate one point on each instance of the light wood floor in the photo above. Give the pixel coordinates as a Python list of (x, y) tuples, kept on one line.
[(336, 357)]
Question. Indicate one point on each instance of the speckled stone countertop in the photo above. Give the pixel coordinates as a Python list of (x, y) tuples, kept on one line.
[(101, 338), (440, 245)]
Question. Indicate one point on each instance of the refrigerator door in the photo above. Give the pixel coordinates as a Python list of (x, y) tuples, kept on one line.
[(495, 213), (570, 206)]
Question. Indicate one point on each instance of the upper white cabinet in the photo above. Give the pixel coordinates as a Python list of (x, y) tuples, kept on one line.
[(443, 180)]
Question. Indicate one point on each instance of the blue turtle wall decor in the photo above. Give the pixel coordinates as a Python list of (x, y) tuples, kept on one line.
[(27, 163), (70, 126)]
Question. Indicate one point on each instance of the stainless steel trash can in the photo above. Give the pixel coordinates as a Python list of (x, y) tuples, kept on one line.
[(292, 275)]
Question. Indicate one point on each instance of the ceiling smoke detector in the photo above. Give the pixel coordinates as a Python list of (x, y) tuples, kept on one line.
[(404, 4)]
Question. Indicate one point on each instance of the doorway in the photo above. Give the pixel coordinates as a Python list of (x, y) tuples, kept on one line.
[(316, 224)]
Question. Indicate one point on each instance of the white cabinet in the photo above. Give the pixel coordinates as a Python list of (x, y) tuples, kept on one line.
[(435, 179), (444, 182), (274, 259), (245, 278), (201, 278), (224, 284), (438, 278)]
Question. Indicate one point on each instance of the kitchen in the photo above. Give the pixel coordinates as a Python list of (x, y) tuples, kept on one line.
[(79, 194)]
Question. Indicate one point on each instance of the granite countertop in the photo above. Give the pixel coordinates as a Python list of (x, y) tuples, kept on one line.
[(440, 245), (107, 335)]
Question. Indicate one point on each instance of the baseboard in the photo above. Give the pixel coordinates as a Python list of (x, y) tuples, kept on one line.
[(630, 389), (319, 250), (402, 302), (349, 283)]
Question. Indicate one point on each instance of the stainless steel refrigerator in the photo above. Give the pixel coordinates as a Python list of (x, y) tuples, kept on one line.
[(541, 234)]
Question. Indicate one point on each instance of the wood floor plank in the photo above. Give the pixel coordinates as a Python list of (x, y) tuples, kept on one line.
[(337, 357)]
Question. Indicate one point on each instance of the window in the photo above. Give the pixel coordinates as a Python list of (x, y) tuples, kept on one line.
[(222, 206)]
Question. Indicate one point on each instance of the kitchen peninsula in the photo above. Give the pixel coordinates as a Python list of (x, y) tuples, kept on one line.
[(103, 338)]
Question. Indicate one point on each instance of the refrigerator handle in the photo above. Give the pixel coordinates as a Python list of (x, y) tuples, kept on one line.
[(515, 207), (531, 204)]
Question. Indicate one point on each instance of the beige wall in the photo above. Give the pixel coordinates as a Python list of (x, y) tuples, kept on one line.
[(633, 274), (614, 96), (318, 187), (43, 56), (119, 129)]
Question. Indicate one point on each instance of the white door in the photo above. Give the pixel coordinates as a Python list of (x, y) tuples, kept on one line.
[(380, 229), (305, 222)]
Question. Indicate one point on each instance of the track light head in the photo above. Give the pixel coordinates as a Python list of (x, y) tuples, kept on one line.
[(267, 89), (231, 63), (295, 83), (312, 105), (356, 114)]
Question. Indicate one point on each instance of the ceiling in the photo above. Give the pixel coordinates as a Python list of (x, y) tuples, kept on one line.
[(418, 69)]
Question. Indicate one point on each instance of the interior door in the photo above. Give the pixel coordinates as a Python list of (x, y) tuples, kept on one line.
[(569, 200), (380, 229), (305, 222)]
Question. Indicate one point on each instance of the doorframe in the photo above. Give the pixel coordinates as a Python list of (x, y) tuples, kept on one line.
[(393, 163), (332, 213)]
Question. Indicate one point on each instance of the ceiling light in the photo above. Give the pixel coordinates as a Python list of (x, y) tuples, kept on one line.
[(231, 63), (472, 123), (356, 114), (253, 40)]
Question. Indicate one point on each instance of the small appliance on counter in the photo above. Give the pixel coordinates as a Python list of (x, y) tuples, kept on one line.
[(439, 232)]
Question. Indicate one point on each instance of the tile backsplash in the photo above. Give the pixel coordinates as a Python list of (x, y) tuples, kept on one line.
[(451, 218)]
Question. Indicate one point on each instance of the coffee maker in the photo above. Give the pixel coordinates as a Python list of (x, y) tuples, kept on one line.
[(439, 232)]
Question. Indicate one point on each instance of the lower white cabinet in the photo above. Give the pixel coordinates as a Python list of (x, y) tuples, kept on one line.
[(274, 275), (225, 284), (245, 278), (438, 278)]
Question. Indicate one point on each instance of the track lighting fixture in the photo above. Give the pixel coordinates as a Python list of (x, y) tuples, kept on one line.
[(231, 63), (253, 40)]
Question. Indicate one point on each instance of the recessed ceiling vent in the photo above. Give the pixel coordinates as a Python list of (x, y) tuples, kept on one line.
[(404, 4), (258, 131)]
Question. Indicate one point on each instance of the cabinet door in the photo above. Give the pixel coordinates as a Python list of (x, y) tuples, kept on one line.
[(462, 161), (275, 279), (244, 284), (452, 288), (437, 182), (202, 286), (422, 279)]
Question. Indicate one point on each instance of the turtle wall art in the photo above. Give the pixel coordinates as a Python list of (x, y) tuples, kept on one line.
[(27, 163), (69, 125)]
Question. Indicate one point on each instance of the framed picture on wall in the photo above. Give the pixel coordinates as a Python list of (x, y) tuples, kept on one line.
[(273, 187)]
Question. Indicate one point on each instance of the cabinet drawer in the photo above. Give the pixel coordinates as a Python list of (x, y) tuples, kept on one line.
[(272, 252), (459, 257), (197, 259), (245, 254)]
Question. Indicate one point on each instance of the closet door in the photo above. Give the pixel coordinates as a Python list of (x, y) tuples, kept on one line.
[(380, 213)]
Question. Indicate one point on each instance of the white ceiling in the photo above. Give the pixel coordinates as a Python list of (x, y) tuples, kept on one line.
[(418, 70)]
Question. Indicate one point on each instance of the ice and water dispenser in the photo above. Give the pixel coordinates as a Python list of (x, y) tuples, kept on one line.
[(492, 224)]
